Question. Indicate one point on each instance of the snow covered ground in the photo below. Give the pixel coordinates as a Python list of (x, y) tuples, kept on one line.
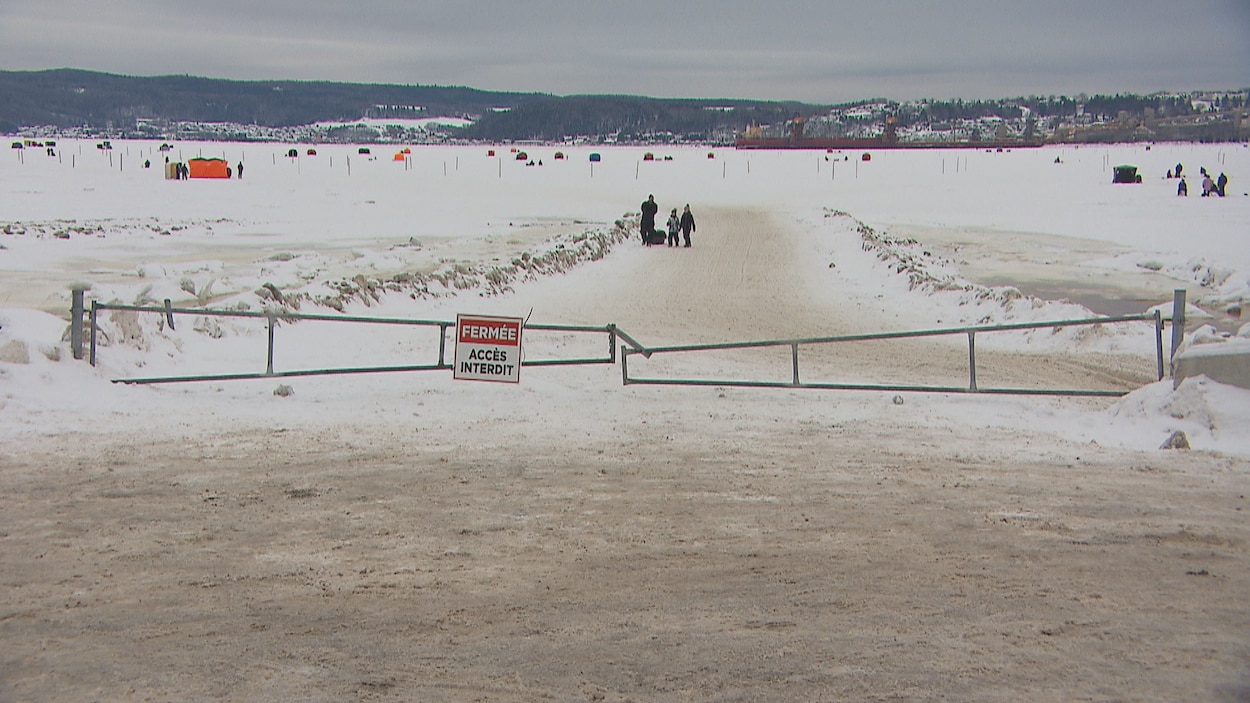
[(917, 239), (407, 536)]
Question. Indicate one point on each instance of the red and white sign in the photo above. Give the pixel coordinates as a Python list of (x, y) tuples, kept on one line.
[(488, 348)]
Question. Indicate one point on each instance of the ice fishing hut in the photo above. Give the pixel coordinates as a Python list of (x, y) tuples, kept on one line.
[(1125, 173), (207, 168)]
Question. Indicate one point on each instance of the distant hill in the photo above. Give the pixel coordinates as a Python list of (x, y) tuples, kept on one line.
[(631, 118), (69, 98), (68, 101)]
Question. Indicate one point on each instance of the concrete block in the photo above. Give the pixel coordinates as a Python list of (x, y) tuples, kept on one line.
[(1227, 362)]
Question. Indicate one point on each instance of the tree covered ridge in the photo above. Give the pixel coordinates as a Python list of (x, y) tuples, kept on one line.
[(145, 106), (72, 98)]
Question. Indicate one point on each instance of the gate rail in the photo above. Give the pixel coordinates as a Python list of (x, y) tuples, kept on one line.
[(274, 317), (629, 348), (971, 333)]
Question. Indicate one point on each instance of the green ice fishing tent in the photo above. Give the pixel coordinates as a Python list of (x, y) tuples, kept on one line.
[(1125, 173)]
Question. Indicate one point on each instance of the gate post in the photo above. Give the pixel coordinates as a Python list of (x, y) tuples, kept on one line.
[(1178, 322), (95, 315), (75, 322), (972, 361), (269, 363), (442, 345), (1159, 340)]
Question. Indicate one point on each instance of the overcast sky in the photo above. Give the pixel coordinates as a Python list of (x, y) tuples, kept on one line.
[(819, 52)]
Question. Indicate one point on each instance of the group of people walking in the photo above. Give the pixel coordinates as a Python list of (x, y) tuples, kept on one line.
[(682, 225)]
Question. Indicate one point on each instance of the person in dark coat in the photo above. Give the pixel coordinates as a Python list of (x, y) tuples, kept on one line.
[(240, 170), (1220, 184), (674, 226), (687, 223), (649, 209), (1182, 188)]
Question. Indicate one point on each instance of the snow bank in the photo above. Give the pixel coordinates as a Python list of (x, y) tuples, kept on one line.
[(1213, 416)]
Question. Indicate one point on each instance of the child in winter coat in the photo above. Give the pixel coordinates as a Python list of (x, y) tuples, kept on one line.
[(687, 224), (674, 226)]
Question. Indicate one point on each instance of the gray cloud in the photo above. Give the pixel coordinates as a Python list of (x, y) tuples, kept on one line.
[(810, 51)]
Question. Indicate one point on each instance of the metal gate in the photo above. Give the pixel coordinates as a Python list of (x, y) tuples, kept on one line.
[(796, 377), (439, 357)]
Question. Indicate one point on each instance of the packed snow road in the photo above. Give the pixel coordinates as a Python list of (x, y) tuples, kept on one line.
[(756, 275)]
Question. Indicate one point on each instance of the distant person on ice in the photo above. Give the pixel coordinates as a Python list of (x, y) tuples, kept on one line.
[(1208, 185), (240, 170), (687, 223), (674, 225), (1182, 188), (649, 209), (1220, 184)]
